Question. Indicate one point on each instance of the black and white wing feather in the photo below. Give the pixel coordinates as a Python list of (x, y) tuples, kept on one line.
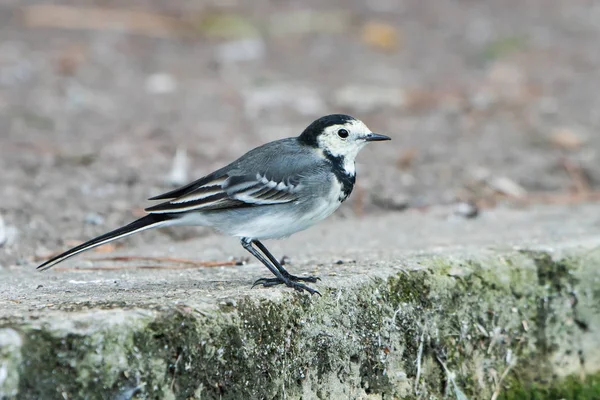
[(222, 191)]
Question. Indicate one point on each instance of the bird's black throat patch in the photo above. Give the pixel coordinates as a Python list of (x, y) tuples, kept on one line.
[(345, 179)]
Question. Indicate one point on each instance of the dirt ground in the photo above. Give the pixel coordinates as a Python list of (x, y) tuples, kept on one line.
[(494, 102)]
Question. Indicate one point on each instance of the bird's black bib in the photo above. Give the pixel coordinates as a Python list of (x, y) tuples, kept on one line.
[(344, 177)]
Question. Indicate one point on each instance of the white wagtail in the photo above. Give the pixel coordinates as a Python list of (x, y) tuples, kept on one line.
[(270, 192)]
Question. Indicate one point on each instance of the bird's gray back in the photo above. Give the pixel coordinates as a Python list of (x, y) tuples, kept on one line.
[(284, 160)]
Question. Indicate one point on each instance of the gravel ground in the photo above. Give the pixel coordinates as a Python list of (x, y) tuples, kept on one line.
[(479, 98)]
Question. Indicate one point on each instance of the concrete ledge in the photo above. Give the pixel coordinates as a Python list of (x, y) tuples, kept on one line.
[(458, 322)]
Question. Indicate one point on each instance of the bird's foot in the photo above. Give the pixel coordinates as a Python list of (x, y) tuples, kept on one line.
[(290, 281), (312, 279)]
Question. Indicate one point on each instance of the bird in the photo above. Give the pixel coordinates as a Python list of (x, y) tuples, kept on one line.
[(271, 192)]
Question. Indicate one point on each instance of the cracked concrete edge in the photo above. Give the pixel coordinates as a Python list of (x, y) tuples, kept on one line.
[(517, 323)]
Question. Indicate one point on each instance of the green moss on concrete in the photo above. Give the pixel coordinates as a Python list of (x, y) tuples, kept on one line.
[(411, 288), (571, 387), (86, 356), (490, 315), (456, 325), (10, 359)]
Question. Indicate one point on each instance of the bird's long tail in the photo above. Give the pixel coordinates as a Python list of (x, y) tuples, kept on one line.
[(147, 222)]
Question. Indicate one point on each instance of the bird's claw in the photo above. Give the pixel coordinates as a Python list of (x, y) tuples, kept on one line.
[(266, 282), (291, 281), (312, 279)]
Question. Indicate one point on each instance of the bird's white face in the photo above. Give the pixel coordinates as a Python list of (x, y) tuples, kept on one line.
[(344, 140)]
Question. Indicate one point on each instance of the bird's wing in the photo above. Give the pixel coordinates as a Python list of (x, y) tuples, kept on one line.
[(230, 191), (212, 180)]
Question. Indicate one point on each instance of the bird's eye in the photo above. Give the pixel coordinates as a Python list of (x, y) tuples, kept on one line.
[(343, 133)]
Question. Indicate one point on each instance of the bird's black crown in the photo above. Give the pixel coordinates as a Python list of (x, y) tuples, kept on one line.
[(310, 134)]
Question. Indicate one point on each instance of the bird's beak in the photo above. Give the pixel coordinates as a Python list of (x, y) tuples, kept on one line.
[(376, 137)]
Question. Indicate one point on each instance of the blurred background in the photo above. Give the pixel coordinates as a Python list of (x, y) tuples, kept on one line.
[(490, 103)]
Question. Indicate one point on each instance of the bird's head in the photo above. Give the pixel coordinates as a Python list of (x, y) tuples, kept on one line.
[(339, 135)]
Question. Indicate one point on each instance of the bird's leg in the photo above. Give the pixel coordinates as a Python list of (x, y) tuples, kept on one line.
[(280, 278), (278, 265)]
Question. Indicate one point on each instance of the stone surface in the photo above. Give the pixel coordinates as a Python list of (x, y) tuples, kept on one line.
[(412, 306)]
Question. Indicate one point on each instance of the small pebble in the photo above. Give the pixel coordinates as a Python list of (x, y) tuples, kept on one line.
[(466, 209), (94, 219), (239, 261), (507, 186)]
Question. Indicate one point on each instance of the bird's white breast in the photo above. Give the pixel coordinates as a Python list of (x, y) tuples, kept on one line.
[(327, 205), (285, 223)]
